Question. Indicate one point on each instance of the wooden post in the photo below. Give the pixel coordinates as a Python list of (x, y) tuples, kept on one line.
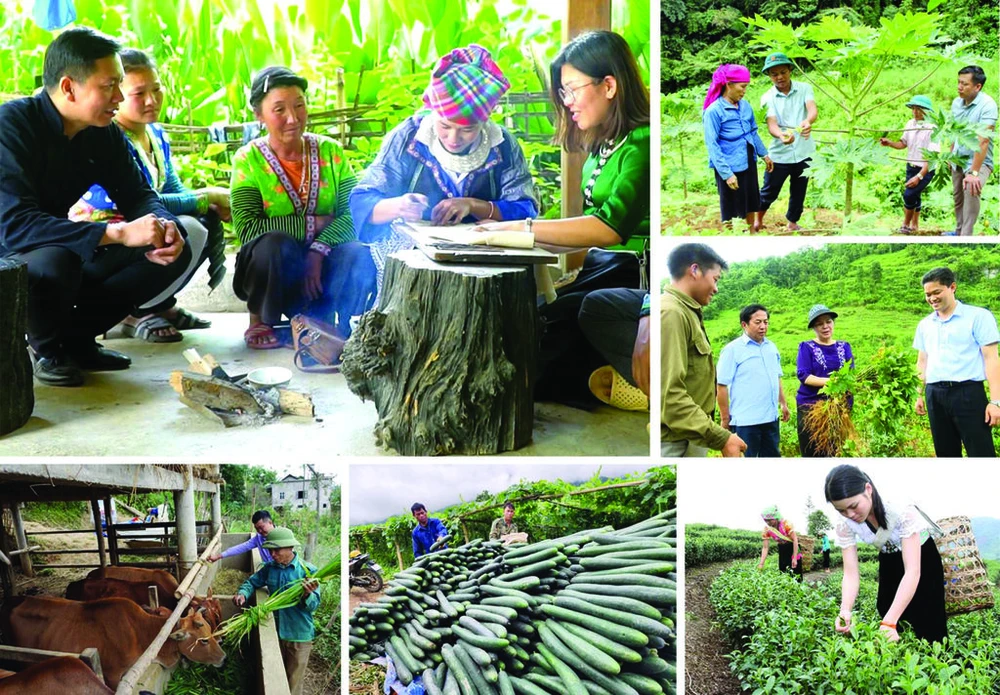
[(187, 540), (101, 552), (340, 105), (6, 569), (455, 377), (112, 533), (216, 511), (581, 16), (17, 395), (399, 555), (465, 531), (22, 539)]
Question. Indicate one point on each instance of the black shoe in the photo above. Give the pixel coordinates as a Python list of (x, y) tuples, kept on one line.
[(100, 359), (56, 371)]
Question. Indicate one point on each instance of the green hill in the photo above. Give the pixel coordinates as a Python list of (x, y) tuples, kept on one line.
[(875, 289), (987, 530)]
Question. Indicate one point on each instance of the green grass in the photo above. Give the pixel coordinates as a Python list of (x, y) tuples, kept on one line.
[(878, 207)]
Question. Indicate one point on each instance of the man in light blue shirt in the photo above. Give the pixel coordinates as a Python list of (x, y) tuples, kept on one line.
[(263, 524), (979, 109), (749, 389), (957, 347), (791, 111)]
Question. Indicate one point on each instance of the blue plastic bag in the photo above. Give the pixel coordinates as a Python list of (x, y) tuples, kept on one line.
[(54, 14)]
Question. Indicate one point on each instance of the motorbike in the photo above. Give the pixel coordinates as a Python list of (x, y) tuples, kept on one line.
[(365, 573)]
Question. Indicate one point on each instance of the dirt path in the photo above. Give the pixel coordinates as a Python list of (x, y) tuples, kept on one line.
[(705, 667)]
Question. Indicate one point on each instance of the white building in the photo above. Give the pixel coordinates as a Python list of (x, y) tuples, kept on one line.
[(294, 492)]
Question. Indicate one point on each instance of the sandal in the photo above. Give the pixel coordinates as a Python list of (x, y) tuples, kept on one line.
[(184, 320), (146, 329), (258, 331), (905, 230), (624, 395)]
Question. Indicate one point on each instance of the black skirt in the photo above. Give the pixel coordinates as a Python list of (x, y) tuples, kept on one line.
[(785, 561), (746, 198), (925, 614)]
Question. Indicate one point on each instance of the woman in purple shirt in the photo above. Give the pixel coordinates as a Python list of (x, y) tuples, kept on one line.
[(817, 360)]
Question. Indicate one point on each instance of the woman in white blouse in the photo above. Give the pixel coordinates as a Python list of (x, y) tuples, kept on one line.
[(910, 577)]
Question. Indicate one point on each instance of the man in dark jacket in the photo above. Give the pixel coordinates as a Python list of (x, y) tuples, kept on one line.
[(83, 277)]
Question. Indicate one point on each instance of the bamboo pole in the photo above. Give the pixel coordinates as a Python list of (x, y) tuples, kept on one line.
[(129, 682), (538, 498), (200, 565), (112, 534)]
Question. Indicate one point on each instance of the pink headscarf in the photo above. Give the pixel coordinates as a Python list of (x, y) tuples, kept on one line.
[(722, 76)]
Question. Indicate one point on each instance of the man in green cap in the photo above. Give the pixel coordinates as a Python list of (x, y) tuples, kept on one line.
[(916, 138), (791, 111), (296, 630)]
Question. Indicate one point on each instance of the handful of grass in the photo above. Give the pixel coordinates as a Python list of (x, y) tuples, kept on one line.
[(239, 626)]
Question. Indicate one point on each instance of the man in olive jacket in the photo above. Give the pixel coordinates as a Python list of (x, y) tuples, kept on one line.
[(687, 374)]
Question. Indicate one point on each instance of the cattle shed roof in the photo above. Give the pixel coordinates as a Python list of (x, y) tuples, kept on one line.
[(44, 482)]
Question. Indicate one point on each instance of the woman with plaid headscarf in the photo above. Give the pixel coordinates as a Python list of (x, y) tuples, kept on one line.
[(780, 531), (449, 163)]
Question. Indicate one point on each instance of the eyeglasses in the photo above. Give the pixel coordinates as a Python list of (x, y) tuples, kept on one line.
[(568, 93)]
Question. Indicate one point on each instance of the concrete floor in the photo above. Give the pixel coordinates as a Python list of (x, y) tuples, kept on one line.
[(136, 413)]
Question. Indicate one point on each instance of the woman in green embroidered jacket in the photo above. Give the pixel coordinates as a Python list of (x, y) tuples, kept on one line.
[(602, 107), (296, 629), (290, 192)]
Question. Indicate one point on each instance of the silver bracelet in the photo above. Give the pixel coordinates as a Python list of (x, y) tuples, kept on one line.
[(490, 216)]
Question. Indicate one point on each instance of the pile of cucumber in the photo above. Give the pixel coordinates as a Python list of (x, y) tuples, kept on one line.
[(587, 614)]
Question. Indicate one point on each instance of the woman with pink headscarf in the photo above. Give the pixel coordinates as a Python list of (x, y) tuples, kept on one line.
[(733, 144), (449, 163)]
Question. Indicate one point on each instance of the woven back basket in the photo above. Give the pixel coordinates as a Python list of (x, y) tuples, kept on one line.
[(966, 582), (806, 546)]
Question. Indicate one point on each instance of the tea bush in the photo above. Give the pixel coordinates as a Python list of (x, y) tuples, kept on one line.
[(784, 639)]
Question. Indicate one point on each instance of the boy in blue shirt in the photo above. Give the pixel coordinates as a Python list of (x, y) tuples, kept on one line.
[(296, 630)]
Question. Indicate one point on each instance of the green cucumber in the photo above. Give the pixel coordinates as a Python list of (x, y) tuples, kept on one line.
[(523, 686), (641, 623), (502, 611), (625, 579), (429, 680), (574, 686), (622, 634), (402, 670), (583, 649), (643, 684), (493, 643), (486, 616), (483, 686), (456, 669), (543, 554), (450, 686), (620, 603), (652, 595), (504, 684), (507, 601), (652, 568)]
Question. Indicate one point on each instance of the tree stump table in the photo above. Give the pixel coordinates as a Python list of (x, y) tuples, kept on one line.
[(17, 395), (448, 357)]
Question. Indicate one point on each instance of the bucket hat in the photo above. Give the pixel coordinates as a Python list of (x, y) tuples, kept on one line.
[(776, 59), (921, 101), (280, 537), (814, 313)]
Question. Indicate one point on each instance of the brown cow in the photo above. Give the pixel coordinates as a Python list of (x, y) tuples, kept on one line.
[(65, 675), (119, 629), (90, 589)]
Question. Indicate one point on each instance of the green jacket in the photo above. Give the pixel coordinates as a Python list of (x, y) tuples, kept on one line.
[(687, 374), (295, 624)]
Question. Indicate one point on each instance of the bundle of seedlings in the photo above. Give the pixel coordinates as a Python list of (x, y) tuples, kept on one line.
[(829, 420), (591, 613)]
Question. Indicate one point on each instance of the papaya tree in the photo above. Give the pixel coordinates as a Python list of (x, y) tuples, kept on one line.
[(846, 64), (680, 121)]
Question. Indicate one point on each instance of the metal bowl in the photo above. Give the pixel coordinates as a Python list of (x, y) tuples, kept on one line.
[(269, 377)]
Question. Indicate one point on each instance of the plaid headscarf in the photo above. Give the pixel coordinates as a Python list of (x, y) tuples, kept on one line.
[(721, 77), (465, 86)]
